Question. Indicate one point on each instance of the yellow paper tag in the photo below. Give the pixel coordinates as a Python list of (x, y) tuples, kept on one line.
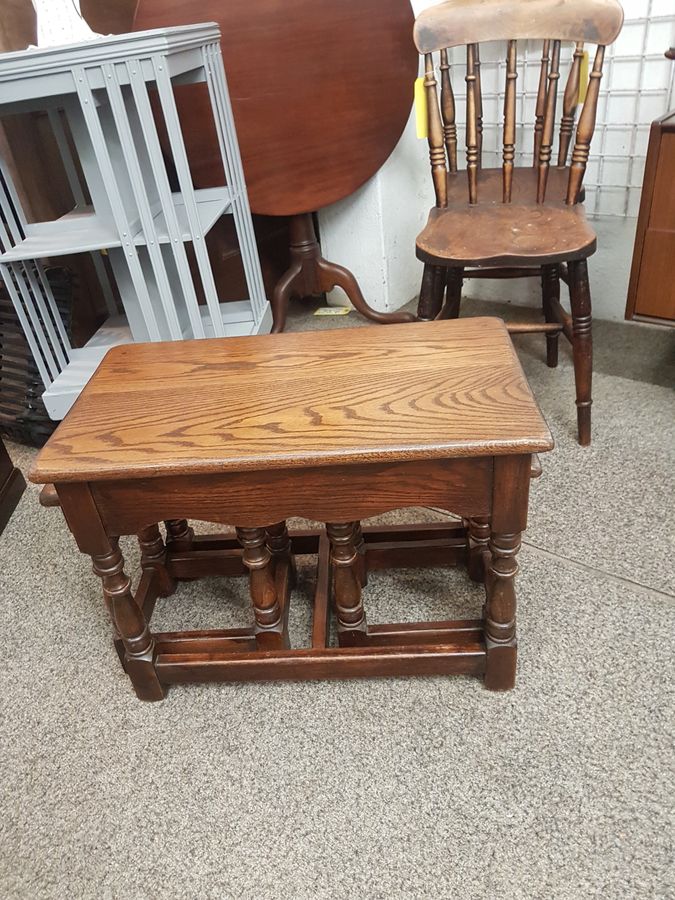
[(333, 311), (421, 116), (583, 77)]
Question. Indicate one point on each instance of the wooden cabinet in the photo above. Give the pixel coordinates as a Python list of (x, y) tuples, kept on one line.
[(12, 486), (651, 292)]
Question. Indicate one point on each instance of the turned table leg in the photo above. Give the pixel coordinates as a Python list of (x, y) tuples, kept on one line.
[(279, 544), (129, 622), (479, 536), (270, 630), (508, 520), (345, 557), (500, 611), (179, 534), (153, 558)]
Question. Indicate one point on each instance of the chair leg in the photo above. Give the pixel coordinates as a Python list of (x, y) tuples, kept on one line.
[(582, 345), (453, 297), (431, 293), (550, 287)]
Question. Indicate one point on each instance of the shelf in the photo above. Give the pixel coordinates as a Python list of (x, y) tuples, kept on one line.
[(82, 231), (211, 204), (237, 317), (79, 231)]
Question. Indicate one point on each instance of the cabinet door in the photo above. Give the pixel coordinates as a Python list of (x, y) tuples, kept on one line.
[(652, 287), (656, 287)]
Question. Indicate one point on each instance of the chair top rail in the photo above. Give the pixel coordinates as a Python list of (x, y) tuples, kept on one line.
[(458, 22)]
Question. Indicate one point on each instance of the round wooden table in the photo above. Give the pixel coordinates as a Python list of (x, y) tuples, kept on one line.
[(321, 91)]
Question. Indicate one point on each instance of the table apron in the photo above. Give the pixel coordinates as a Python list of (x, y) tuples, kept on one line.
[(338, 493)]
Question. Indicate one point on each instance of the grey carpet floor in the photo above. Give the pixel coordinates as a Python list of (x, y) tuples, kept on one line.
[(392, 788)]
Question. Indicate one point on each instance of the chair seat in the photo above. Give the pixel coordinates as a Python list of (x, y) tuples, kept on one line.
[(493, 233)]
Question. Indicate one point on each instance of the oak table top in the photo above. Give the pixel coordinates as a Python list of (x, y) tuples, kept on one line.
[(406, 392)]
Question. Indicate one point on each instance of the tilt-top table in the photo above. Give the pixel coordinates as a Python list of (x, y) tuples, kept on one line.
[(321, 91)]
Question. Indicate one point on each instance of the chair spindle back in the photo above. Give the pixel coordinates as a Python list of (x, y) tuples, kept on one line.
[(450, 24)]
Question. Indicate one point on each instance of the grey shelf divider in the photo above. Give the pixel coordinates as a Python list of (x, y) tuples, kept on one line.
[(110, 94)]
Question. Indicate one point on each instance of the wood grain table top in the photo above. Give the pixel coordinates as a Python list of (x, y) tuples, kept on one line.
[(378, 394), (321, 91)]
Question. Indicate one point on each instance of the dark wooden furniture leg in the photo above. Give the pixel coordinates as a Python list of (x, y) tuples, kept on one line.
[(12, 486), (279, 544), (550, 289), (271, 632), (362, 560), (129, 622), (479, 537), (127, 615), (509, 518), (453, 297), (309, 274), (431, 292), (582, 345), (179, 534), (153, 559), (345, 557)]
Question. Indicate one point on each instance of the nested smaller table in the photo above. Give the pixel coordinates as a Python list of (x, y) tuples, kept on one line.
[(336, 427)]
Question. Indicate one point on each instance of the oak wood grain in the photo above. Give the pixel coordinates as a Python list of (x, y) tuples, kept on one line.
[(334, 662), (420, 391), (259, 498)]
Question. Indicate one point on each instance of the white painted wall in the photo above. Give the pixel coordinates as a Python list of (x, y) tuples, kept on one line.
[(373, 232), (60, 22)]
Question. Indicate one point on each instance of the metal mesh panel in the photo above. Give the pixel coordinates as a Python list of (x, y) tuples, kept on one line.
[(637, 87)]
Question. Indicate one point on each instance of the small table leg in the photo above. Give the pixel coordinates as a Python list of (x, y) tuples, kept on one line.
[(129, 622), (179, 534), (310, 274), (508, 520), (153, 557), (362, 561), (279, 545), (500, 612), (479, 536), (347, 566), (270, 629)]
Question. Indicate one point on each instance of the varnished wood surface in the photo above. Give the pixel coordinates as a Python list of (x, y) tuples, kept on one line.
[(18, 23), (459, 22), (404, 392), (252, 498), (12, 486), (496, 233), (651, 290), (321, 91), (109, 16)]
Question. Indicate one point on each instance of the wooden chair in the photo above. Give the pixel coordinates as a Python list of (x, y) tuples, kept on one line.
[(515, 221)]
